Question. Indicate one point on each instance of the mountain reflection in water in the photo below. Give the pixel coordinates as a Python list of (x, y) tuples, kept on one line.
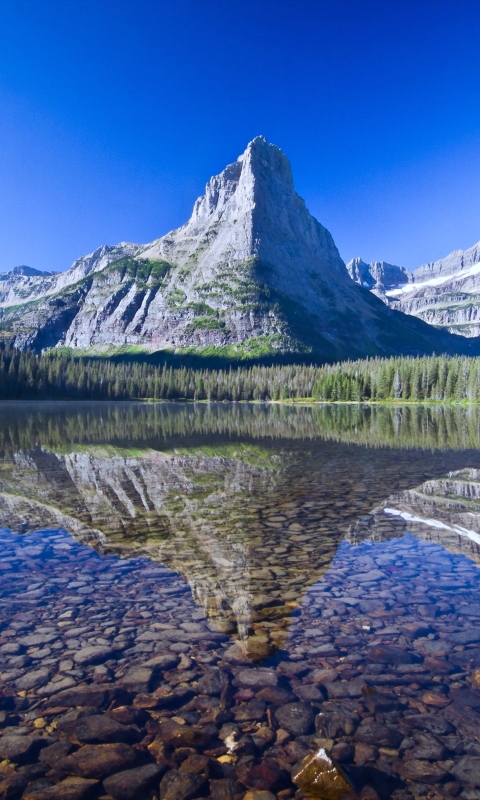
[(248, 503)]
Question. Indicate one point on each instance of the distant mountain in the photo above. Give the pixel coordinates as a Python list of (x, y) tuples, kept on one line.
[(250, 273), (25, 271), (378, 276), (444, 293)]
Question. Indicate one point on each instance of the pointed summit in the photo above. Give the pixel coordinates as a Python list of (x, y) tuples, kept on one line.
[(251, 273)]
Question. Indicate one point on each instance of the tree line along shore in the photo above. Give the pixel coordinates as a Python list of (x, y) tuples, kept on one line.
[(25, 375)]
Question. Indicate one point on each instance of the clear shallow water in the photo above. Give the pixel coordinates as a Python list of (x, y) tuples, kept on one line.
[(223, 563)]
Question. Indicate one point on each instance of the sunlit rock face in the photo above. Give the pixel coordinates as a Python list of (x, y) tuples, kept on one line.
[(445, 511), (24, 284), (378, 276), (443, 293), (252, 271)]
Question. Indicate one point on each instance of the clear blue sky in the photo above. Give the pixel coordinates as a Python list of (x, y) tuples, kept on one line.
[(114, 114)]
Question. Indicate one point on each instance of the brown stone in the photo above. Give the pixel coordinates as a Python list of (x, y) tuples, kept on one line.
[(318, 776), (422, 771), (267, 776), (296, 718), (178, 785), (364, 753), (72, 788), (276, 695), (22, 749), (53, 753), (196, 764), (228, 789), (131, 784), (182, 735), (96, 695), (98, 760), (389, 654), (102, 729)]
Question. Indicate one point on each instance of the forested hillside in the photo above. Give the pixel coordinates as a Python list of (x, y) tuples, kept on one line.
[(26, 375)]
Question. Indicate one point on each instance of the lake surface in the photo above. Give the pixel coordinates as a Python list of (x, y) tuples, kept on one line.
[(204, 595)]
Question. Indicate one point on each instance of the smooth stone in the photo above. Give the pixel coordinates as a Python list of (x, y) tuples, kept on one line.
[(228, 789), (267, 776), (296, 718), (389, 654), (95, 695), (10, 649), (176, 785), (72, 788), (372, 575), (128, 715), (467, 770), (211, 683), (164, 661), (37, 639), (422, 771), (58, 686), (253, 710), (340, 689), (371, 732), (133, 783), (94, 654), (98, 760), (293, 667), (101, 729), (471, 636), (276, 695), (258, 794), (22, 749), (257, 678), (433, 723), (138, 680), (54, 752), (308, 692), (33, 679), (14, 784), (322, 676), (177, 735)]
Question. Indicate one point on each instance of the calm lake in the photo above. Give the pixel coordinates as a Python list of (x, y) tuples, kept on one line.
[(203, 595)]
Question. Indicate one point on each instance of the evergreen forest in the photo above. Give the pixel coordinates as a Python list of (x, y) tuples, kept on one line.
[(25, 375)]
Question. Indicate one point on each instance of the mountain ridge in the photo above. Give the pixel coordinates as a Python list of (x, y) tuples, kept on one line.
[(251, 271), (444, 293)]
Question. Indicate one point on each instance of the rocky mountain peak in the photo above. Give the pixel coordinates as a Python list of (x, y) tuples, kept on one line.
[(27, 271), (251, 272)]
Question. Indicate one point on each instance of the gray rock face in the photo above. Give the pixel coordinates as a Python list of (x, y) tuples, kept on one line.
[(444, 293), (251, 271), (455, 262), (378, 276), (23, 284)]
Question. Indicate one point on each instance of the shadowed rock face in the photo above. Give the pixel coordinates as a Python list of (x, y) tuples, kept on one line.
[(250, 526), (251, 271)]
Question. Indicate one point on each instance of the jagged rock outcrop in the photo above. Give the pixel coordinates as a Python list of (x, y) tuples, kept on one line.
[(378, 276), (251, 272), (444, 293), (455, 262), (23, 284)]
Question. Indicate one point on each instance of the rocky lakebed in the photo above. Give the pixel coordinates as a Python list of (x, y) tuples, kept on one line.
[(321, 640)]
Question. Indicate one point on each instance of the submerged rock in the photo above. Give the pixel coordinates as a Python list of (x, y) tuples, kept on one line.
[(318, 776)]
